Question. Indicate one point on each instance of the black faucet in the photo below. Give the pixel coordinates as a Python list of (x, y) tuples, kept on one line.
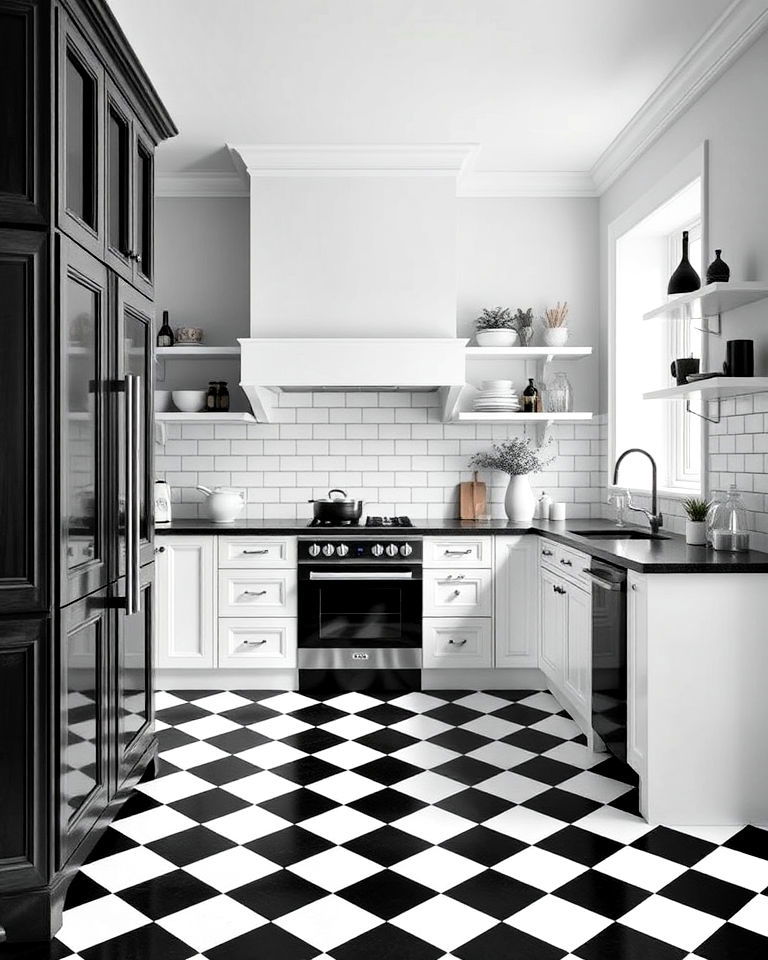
[(655, 519)]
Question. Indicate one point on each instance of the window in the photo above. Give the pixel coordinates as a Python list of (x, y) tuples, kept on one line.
[(645, 254)]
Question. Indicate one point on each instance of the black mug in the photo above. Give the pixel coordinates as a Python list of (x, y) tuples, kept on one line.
[(739, 358), (681, 369)]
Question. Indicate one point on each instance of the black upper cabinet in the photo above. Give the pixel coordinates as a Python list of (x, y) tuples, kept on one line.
[(83, 434), (25, 540), (23, 105), (80, 186), (144, 212)]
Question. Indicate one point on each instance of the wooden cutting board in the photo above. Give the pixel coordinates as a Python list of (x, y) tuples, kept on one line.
[(472, 499)]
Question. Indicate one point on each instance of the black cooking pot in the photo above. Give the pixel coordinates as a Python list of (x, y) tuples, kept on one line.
[(340, 509)]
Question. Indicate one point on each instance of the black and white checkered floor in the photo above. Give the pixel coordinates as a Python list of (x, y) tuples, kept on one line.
[(434, 825)]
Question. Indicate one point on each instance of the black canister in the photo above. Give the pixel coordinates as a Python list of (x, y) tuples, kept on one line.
[(739, 358), (222, 396)]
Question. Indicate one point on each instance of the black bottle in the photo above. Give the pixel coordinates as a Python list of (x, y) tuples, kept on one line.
[(530, 397), (222, 396), (718, 271), (684, 279), (165, 336), (212, 397)]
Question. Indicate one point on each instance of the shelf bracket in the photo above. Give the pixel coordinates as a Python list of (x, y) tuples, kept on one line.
[(712, 331), (449, 401), (703, 416), (262, 401)]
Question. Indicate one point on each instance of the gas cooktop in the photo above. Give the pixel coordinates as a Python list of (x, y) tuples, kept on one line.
[(369, 522)]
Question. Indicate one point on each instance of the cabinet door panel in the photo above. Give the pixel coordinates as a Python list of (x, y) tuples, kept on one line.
[(143, 212), (23, 102), (578, 650), (81, 138), (517, 602), (83, 379), (85, 638), (24, 648), (553, 626), (132, 676), (186, 613), (24, 424), (119, 183), (637, 674)]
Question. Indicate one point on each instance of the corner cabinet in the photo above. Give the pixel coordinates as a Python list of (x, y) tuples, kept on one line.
[(517, 602), (76, 623)]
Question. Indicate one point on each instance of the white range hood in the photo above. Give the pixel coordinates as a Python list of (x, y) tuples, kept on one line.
[(353, 268), (306, 364)]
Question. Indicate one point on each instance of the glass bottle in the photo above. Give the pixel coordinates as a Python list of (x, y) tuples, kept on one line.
[(222, 396), (165, 336), (729, 529), (559, 394), (211, 399), (716, 500), (530, 395)]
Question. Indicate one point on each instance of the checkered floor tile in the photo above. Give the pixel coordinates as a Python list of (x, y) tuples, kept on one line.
[(429, 826)]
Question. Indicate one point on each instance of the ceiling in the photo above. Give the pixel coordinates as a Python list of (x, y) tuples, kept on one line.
[(541, 86)]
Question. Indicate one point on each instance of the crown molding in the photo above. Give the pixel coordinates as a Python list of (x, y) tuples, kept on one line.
[(352, 160), (738, 27), (204, 183), (503, 183)]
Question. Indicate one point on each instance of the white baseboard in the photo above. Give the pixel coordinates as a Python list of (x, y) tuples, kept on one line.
[(226, 679), (510, 678)]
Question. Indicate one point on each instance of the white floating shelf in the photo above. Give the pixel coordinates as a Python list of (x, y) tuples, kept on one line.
[(714, 389), (203, 417), (196, 353), (528, 353), (711, 300), (472, 417)]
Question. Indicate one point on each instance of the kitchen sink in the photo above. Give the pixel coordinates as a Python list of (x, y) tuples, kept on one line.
[(618, 534)]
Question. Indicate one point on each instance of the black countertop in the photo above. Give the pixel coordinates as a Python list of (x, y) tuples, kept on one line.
[(670, 555)]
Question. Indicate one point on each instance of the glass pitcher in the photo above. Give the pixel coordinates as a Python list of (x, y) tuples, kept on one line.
[(729, 525)]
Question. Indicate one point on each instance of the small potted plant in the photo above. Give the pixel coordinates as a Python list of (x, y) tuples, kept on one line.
[(695, 525), (555, 322), (518, 458), (494, 328), (523, 324)]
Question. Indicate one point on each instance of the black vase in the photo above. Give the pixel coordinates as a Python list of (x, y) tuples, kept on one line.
[(718, 271), (684, 279)]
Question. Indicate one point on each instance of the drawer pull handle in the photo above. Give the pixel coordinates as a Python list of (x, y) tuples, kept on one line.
[(456, 553), (566, 563), (457, 593), (459, 576), (558, 589), (254, 593), (458, 643), (255, 552), (159, 549), (254, 643), (546, 553)]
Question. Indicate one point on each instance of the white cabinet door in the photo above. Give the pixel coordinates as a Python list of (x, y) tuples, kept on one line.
[(186, 602), (458, 593), (577, 670), (457, 642), (637, 672), (517, 602), (554, 609)]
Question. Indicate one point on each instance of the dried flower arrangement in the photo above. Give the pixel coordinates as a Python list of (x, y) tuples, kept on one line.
[(517, 457), (499, 318), (522, 319), (556, 316)]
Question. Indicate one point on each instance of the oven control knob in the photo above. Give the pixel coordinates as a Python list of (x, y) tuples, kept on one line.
[(314, 549), (406, 550), (377, 549), (342, 550), (392, 550), (329, 550)]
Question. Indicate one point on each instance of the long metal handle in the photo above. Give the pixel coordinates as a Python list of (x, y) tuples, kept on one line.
[(611, 585), (361, 575), (134, 454), (254, 593), (130, 503), (257, 552), (456, 553)]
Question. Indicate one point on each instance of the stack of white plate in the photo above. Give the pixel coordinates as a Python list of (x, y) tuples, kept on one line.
[(497, 396)]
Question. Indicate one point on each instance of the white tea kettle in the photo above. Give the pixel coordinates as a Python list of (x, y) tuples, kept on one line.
[(223, 505)]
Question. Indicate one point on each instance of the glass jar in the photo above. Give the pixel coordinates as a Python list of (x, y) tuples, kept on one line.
[(729, 524), (716, 500), (559, 394)]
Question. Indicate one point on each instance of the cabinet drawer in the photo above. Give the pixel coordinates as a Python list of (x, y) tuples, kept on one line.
[(458, 642), (244, 552), (567, 562), (458, 552), (463, 593), (266, 593), (257, 642)]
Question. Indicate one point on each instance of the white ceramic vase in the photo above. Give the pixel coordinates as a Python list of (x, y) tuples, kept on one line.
[(555, 336), (500, 337), (696, 532), (519, 502)]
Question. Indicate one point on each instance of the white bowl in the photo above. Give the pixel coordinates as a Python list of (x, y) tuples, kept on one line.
[(505, 337), (162, 401), (189, 401)]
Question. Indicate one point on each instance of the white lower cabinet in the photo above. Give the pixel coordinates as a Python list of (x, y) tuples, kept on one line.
[(456, 642), (516, 589), (637, 672), (577, 669), (257, 642), (553, 626), (186, 602)]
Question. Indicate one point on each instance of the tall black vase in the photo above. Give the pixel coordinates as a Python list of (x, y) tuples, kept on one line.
[(684, 279)]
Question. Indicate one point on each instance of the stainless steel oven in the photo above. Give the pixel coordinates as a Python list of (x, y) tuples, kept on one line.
[(359, 613)]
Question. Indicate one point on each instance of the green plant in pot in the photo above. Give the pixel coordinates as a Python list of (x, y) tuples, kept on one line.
[(518, 458), (523, 324), (695, 524), (494, 328)]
